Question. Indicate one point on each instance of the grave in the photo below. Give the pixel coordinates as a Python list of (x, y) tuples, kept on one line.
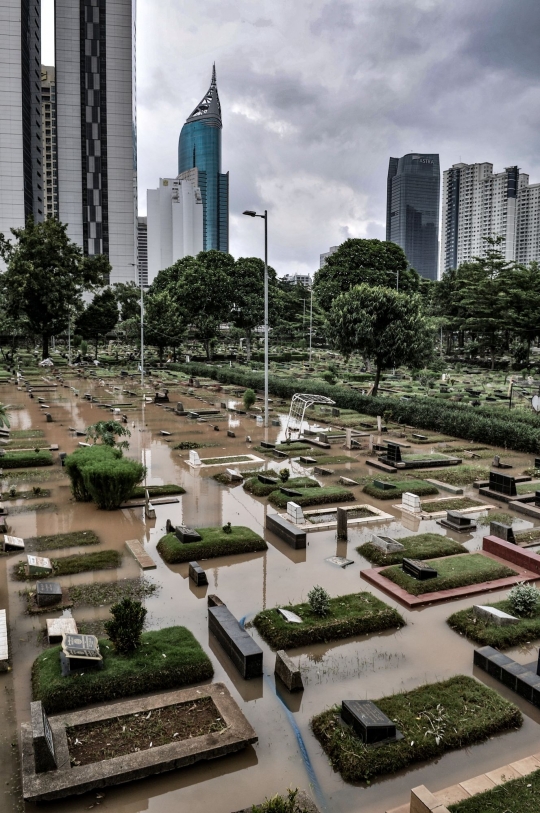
[(290, 492), (295, 513), (234, 475), (287, 672), (80, 652), (230, 433), (346, 481), (48, 594), (197, 574), (502, 484), (38, 565), (524, 680), (393, 454), (458, 522), (186, 535), (276, 422), (308, 461), (58, 627), (411, 502), (368, 721), (243, 651), (494, 616), (42, 739), (149, 510), (341, 517), (289, 616), (280, 455), (266, 480), (266, 445), (498, 465), (505, 532), (386, 543), (180, 408), (294, 537), (340, 561), (323, 472), (383, 486), (418, 569), (13, 543), (194, 459)]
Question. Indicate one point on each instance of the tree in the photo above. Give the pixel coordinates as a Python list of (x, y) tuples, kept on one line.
[(374, 262), (249, 399), (46, 276), (521, 302), (99, 317), (380, 323), (128, 297), (126, 625), (164, 321), (106, 432), (248, 296)]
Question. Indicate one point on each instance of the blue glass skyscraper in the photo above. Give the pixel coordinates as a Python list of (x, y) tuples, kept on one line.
[(199, 147)]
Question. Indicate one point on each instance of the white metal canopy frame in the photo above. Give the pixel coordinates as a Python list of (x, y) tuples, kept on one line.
[(299, 403)]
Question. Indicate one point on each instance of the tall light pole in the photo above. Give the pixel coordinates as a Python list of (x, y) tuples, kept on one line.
[(142, 326), (265, 218)]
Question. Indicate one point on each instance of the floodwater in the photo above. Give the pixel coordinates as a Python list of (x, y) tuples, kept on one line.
[(372, 666)]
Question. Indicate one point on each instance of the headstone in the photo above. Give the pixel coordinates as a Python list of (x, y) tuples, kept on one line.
[(194, 458), (393, 453), (340, 561), (286, 671), (48, 594), (197, 574), (266, 480), (458, 522), (58, 627), (80, 652), (267, 445), (370, 445), (186, 535), (289, 616), (505, 532), (383, 486), (411, 502), (13, 543), (295, 513), (418, 569), (346, 481), (230, 433), (379, 424), (335, 412), (48, 417), (286, 531), (62, 457), (42, 739), (234, 475), (341, 523), (386, 544), (348, 438), (243, 651), (494, 616), (503, 484), (368, 721), (169, 527), (180, 408), (276, 422), (38, 565)]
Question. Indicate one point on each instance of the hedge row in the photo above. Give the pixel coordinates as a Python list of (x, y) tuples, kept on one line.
[(515, 430), (20, 460)]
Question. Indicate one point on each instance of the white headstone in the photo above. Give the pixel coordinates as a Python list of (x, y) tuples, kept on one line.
[(386, 544), (348, 438), (194, 458), (290, 616), (494, 615), (295, 512), (38, 565), (379, 424), (234, 474), (411, 502), (13, 543), (371, 443), (259, 420), (57, 627)]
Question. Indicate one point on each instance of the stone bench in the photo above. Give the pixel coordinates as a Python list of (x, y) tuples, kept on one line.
[(286, 531), (243, 651)]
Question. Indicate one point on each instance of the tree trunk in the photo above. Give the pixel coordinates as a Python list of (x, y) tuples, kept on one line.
[(492, 352), (97, 340), (248, 347), (207, 349), (528, 349), (160, 354), (45, 346), (375, 389)]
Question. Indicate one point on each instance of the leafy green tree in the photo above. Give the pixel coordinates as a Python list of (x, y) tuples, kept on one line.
[(381, 324), (99, 317), (106, 432), (126, 625), (128, 297), (164, 321), (374, 262), (46, 276), (249, 399), (248, 296), (521, 303)]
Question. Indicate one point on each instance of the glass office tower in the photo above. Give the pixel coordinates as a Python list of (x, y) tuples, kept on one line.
[(412, 209), (199, 147)]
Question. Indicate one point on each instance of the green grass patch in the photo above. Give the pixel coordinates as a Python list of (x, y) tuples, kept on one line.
[(338, 458), (413, 457), (226, 461), (254, 485), (20, 460), (517, 796), (529, 487), (399, 487), (497, 516), (36, 443), (146, 670), (78, 563), (292, 803), (456, 475), (97, 594), (294, 446), (457, 504), (313, 496), (157, 491), (421, 546), (353, 614), (454, 571), (72, 539), (215, 542), (27, 433), (434, 719), (489, 634)]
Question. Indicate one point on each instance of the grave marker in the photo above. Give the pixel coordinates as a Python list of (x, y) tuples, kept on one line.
[(494, 616), (411, 502), (58, 627), (42, 739), (368, 721), (393, 453), (289, 616), (386, 544), (80, 652), (48, 594), (341, 523), (13, 543), (505, 532), (419, 570), (38, 565), (194, 458), (295, 513), (458, 522), (186, 535), (503, 484)]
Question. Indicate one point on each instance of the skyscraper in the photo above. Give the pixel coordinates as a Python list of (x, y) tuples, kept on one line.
[(48, 142), (21, 168), (142, 249), (199, 147), (412, 209), (97, 170)]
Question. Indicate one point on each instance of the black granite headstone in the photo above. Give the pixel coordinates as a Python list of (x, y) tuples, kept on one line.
[(418, 569), (197, 574), (48, 594), (266, 480), (393, 453), (186, 535), (42, 739), (367, 721), (503, 484), (502, 531)]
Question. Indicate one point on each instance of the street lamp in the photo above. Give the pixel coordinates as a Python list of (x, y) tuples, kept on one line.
[(249, 213)]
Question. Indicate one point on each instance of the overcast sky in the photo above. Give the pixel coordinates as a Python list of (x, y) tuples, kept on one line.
[(317, 94)]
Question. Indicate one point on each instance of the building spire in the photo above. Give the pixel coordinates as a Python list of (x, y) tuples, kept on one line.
[(209, 109)]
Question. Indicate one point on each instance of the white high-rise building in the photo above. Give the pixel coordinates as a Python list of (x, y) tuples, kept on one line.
[(21, 168), (96, 129), (323, 257), (48, 141), (528, 228), (175, 221), (478, 203)]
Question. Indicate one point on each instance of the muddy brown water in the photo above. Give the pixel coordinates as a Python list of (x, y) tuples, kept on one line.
[(426, 650)]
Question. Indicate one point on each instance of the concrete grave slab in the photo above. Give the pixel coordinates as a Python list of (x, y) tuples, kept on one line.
[(58, 627)]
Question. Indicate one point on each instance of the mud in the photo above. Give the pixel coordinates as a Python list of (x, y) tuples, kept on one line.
[(364, 667)]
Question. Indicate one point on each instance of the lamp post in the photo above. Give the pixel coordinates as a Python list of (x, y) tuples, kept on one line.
[(265, 218)]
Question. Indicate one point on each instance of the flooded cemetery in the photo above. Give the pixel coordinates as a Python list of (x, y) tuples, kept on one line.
[(297, 588)]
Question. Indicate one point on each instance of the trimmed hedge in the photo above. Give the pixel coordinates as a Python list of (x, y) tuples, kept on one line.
[(470, 712), (101, 474), (145, 670), (421, 546), (489, 634), (313, 496), (26, 460), (254, 485), (514, 430), (353, 614), (456, 571), (158, 491), (215, 542), (412, 486)]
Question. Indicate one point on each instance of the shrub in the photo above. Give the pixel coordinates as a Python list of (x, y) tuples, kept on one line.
[(284, 475), (524, 599), (249, 399), (101, 474), (126, 625), (227, 529), (319, 600)]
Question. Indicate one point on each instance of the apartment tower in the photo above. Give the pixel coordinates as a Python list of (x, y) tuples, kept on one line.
[(48, 141)]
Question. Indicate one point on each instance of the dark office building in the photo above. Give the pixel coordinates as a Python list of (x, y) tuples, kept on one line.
[(412, 209), (199, 147)]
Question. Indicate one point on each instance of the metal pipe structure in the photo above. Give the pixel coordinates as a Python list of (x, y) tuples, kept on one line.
[(265, 218)]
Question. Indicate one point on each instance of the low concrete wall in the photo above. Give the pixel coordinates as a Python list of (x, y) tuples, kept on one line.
[(423, 801), (512, 553)]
